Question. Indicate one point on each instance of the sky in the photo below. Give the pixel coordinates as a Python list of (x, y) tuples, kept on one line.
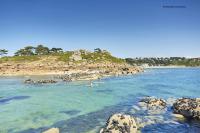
[(126, 28)]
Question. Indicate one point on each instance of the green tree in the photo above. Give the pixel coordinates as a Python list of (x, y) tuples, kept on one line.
[(26, 51), (20, 52), (3, 52), (56, 50), (29, 50), (97, 50), (41, 50)]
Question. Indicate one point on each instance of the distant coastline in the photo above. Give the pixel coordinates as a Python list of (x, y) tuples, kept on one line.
[(164, 61), (149, 67)]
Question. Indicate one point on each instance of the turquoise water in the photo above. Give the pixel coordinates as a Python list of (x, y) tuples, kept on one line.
[(77, 108)]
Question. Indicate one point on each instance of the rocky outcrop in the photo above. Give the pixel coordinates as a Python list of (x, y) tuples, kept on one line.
[(188, 107), (46, 81), (80, 61), (29, 81), (120, 123), (152, 103), (79, 76), (183, 108), (66, 78), (76, 56), (52, 130)]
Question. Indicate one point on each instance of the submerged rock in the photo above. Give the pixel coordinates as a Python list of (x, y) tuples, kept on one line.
[(120, 123), (152, 103), (52, 130), (66, 78), (46, 81), (178, 117), (28, 81), (188, 107)]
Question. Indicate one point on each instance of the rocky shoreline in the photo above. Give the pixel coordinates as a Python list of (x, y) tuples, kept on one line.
[(76, 71), (183, 108), (82, 76), (67, 72)]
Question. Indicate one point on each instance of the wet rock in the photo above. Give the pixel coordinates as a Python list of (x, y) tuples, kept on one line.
[(45, 81), (52, 130), (153, 105), (120, 123), (178, 116), (28, 81), (188, 107), (66, 78)]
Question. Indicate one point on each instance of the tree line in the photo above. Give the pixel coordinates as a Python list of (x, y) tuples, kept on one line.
[(39, 50), (181, 61), (3, 52), (31, 50)]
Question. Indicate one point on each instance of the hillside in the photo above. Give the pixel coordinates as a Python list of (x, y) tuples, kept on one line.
[(79, 61)]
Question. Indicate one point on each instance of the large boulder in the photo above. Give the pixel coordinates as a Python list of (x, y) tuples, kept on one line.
[(188, 107), (76, 56), (120, 123), (152, 103)]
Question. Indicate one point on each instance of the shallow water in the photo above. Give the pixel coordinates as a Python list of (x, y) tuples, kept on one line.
[(77, 108)]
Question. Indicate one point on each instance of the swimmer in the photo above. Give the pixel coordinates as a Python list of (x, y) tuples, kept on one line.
[(91, 84)]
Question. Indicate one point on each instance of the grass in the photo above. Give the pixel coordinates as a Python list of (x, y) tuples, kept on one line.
[(64, 56), (91, 57), (97, 57), (20, 58)]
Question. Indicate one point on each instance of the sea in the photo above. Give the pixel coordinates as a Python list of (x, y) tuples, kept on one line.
[(78, 107)]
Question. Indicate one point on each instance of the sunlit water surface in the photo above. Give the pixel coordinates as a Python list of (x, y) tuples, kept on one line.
[(77, 108)]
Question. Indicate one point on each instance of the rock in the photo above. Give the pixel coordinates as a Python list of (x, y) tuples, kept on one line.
[(46, 81), (120, 123), (178, 116), (188, 107), (153, 103), (76, 56), (52, 130), (66, 78), (28, 81)]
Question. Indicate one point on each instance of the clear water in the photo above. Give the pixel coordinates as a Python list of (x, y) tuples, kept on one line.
[(77, 108)]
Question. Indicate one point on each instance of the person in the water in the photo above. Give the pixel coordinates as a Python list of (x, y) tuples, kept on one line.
[(91, 84)]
